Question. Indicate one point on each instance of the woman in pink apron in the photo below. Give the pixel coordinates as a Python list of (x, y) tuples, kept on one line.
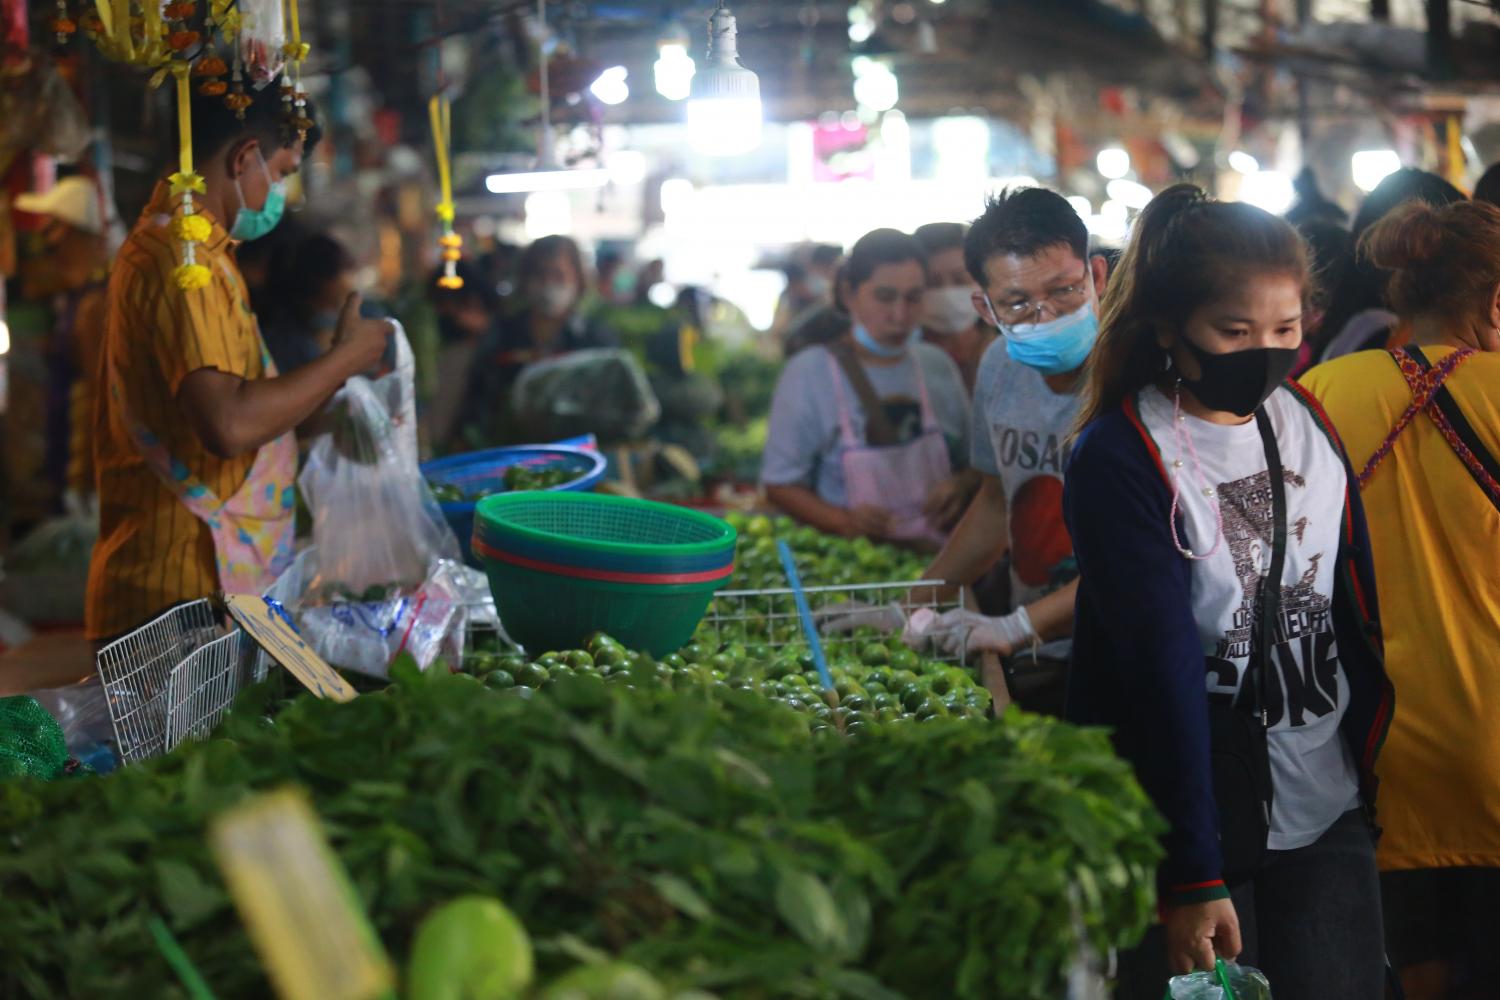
[(863, 429)]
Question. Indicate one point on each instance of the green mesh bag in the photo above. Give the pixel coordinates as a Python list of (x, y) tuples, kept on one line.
[(31, 741)]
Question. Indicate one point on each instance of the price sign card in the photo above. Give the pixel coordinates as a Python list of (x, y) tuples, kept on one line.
[(269, 627), (296, 901)]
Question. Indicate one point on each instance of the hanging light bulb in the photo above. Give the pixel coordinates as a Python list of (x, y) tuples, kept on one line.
[(611, 86), (724, 113), (875, 86), (674, 71)]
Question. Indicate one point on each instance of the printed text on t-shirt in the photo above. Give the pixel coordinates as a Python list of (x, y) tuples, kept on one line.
[(1027, 450)]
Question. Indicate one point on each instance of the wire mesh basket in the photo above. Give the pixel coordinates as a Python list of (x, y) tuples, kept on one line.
[(201, 688), (770, 617), (173, 678)]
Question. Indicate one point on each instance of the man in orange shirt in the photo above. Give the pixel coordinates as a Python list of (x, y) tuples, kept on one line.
[(195, 457)]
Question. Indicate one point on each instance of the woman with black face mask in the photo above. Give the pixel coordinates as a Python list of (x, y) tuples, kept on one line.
[(1226, 626)]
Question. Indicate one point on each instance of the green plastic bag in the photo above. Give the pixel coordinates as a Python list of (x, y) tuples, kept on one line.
[(1228, 981), (31, 741)]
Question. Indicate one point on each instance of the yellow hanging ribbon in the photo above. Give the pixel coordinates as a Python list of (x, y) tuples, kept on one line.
[(184, 118), (154, 48), (1457, 174), (106, 14), (120, 32), (441, 114), (295, 49)]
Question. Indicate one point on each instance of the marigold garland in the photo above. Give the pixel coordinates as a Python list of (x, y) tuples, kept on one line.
[(191, 277), (192, 228), (167, 38)]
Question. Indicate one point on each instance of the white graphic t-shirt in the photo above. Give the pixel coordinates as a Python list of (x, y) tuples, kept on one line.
[(1307, 693)]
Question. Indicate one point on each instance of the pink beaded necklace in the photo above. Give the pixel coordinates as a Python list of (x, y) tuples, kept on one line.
[(1184, 439)]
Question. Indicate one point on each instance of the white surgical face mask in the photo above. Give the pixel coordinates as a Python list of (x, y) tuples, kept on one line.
[(948, 310), (555, 300)]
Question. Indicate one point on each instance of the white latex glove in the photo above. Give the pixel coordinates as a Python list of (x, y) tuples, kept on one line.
[(838, 619), (958, 632)]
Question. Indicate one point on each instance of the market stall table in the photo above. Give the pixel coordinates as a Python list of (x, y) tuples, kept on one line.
[(51, 659)]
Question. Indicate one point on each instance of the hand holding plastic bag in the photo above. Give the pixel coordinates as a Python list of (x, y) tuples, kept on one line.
[(375, 523), (1228, 981)]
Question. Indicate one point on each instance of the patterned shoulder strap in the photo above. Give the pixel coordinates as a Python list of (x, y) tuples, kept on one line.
[(1424, 382), (1456, 429)]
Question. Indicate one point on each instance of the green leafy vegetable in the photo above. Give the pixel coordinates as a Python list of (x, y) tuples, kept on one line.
[(703, 835)]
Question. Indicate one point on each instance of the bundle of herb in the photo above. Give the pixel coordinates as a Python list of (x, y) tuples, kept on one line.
[(707, 837)]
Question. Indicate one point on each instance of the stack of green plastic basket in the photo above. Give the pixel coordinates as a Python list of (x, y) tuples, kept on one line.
[(565, 565)]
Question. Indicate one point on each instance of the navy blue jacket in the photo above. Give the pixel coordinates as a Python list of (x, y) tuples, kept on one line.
[(1138, 664)]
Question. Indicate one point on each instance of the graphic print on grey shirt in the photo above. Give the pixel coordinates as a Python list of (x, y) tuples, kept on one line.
[(1020, 434), (1307, 693)]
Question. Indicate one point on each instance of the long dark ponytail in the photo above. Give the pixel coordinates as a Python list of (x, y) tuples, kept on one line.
[(1187, 249)]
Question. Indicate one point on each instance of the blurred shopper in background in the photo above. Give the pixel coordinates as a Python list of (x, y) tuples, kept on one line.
[(1488, 188), (1029, 254), (1328, 245), (1312, 206), (651, 274), (72, 272), (865, 433), (808, 312), (949, 320), (306, 286), (547, 319), (254, 257), (1357, 318), (498, 268), (1224, 562), (1423, 426), (614, 282), (465, 317)]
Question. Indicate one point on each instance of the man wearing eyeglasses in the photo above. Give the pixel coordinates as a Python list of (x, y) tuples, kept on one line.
[(1029, 254)]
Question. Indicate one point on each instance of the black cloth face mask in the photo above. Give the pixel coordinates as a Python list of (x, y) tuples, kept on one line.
[(1238, 382)]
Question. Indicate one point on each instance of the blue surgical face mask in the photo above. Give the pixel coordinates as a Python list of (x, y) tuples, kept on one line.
[(1057, 346), (875, 347), (253, 223)]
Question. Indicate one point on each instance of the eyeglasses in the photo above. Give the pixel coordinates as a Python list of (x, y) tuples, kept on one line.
[(1059, 302)]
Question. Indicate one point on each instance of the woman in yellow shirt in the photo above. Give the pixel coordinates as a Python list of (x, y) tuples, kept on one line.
[(1423, 425)]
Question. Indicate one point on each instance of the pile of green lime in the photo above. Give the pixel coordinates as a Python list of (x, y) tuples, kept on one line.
[(877, 679), (822, 560)]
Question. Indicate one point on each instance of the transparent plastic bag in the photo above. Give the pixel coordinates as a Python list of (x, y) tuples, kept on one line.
[(82, 711), (1227, 982), (38, 112), (428, 621), (376, 526), (603, 392), (261, 40)]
